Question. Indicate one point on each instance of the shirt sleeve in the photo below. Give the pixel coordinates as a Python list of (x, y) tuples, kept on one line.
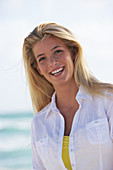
[(109, 111), (36, 161)]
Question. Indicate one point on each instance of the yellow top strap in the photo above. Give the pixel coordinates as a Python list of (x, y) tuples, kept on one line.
[(65, 153)]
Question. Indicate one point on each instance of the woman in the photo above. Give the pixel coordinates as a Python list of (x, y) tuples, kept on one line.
[(74, 126)]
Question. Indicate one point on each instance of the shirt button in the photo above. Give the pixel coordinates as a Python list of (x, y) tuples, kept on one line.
[(71, 150), (73, 165)]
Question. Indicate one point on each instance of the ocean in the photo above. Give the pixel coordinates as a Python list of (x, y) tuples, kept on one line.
[(15, 141)]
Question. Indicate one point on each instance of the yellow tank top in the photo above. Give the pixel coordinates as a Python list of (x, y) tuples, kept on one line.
[(65, 153)]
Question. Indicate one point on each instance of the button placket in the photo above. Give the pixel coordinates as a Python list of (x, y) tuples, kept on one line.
[(72, 153), (73, 166), (71, 150)]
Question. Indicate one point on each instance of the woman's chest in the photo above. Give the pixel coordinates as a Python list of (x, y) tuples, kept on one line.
[(92, 138)]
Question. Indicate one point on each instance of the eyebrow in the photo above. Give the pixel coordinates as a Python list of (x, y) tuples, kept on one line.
[(50, 50)]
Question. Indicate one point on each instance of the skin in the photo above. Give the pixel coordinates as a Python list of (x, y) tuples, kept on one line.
[(53, 56)]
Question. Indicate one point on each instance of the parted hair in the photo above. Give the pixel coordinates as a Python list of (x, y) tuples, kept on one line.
[(41, 89)]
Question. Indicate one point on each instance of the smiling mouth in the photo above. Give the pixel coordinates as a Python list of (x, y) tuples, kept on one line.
[(57, 71)]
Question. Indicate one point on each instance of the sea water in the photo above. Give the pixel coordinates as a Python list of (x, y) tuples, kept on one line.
[(15, 141)]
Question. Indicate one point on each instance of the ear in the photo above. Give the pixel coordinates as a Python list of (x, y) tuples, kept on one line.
[(74, 52), (73, 57), (39, 70)]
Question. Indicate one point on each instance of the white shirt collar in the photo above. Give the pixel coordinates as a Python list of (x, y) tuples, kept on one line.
[(82, 94)]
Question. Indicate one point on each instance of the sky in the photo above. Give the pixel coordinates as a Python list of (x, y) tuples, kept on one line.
[(91, 21)]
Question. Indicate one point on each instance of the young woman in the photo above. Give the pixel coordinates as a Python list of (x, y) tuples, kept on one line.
[(74, 126)]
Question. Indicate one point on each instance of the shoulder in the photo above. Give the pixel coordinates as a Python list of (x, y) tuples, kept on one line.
[(108, 100), (105, 95), (40, 123), (42, 113), (105, 100)]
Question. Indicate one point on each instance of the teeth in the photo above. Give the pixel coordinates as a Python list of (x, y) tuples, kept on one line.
[(57, 71)]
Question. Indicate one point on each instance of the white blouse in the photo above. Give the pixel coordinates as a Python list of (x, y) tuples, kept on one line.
[(91, 136)]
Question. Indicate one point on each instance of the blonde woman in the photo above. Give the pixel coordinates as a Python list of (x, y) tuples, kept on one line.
[(73, 125)]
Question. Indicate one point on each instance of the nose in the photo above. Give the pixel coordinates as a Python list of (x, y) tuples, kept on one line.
[(53, 61)]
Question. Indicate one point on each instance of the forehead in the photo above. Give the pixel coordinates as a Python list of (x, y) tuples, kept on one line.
[(47, 44)]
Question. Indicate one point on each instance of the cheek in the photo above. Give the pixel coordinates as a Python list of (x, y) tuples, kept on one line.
[(41, 68), (68, 60)]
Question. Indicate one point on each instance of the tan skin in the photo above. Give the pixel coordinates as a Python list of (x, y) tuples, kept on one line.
[(54, 62), (68, 107)]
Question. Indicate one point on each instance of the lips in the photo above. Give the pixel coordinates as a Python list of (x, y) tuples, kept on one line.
[(57, 71)]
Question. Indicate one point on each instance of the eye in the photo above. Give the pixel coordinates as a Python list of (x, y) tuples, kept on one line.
[(41, 59), (58, 51)]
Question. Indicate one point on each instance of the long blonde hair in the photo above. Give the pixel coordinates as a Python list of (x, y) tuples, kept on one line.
[(40, 89)]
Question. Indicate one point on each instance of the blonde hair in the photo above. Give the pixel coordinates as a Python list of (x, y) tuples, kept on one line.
[(40, 89)]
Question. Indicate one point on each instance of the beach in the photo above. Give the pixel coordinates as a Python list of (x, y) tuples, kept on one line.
[(15, 141)]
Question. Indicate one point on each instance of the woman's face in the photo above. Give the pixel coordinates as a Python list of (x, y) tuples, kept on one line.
[(54, 61)]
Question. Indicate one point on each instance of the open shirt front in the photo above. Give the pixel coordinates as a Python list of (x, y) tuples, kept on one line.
[(90, 140)]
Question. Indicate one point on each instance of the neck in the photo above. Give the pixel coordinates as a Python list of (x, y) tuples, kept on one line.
[(65, 96)]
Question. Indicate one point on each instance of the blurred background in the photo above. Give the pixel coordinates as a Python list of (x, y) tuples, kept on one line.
[(92, 23)]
